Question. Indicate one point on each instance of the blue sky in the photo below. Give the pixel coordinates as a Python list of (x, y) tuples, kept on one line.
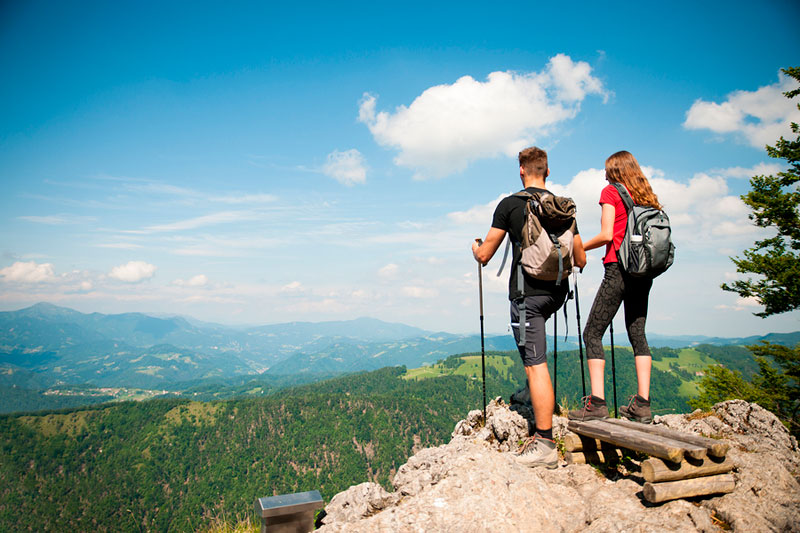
[(252, 163)]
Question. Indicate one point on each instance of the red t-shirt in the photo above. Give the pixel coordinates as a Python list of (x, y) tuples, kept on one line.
[(611, 196)]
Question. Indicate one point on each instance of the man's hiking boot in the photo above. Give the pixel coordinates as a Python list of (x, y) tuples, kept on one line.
[(538, 451), (594, 408), (638, 410)]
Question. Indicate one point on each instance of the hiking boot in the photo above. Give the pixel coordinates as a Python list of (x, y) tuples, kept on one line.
[(638, 410), (594, 408), (538, 452)]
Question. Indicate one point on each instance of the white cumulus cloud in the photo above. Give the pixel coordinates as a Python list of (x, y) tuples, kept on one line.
[(28, 272), (448, 126), (348, 167), (760, 117), (133, 272), (701, 211)]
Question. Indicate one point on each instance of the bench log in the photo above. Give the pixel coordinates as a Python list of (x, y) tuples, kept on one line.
[(687, 488), (714, 447)]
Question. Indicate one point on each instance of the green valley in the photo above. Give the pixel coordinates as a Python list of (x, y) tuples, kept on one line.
[(177, 463), (174, 464)]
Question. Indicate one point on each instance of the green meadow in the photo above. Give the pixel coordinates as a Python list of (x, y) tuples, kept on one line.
[(465, 365)]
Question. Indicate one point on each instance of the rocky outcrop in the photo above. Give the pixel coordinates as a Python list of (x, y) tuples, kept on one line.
[(474, 484)]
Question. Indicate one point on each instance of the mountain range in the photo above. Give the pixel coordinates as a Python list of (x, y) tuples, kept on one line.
[(45, 345)]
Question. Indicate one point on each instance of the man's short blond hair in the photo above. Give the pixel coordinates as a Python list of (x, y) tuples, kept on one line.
[(534, 161)]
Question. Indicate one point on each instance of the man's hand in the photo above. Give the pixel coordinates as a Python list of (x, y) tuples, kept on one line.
[(483, 251), (475, 245)]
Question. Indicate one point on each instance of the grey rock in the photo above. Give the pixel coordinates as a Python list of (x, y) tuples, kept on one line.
[(474, 484), (357, 502)]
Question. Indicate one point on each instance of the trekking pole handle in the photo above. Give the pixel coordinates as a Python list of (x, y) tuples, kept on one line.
[(475, 245)]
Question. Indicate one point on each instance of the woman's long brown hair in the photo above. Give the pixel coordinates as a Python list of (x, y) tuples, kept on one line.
[(623, 168)]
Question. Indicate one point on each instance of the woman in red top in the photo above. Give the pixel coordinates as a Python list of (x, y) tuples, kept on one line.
[(618, 288)]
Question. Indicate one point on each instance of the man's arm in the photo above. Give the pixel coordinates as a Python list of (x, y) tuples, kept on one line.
[(484, 251)]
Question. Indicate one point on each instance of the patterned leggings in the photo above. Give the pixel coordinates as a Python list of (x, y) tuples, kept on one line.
[(615, 289)]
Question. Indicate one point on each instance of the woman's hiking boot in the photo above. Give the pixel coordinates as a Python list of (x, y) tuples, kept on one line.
[(594, 408), (538, 451), (638, 410)]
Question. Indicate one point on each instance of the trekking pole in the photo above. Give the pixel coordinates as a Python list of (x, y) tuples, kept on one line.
[(556, 409), (483, 352), (613, 370), (580, 340)]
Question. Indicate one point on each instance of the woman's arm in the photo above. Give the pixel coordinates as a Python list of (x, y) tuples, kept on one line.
[(606, 229)]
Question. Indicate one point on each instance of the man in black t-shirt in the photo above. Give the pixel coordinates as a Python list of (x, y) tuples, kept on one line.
[(542, 298)]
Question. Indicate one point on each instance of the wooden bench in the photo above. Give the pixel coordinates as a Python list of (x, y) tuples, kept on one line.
[(681, 465)]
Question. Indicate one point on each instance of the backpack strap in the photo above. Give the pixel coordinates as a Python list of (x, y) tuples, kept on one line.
[(525, 195), (624, 195), (557, 246), (627, 201), (505, 256), (523, 320)]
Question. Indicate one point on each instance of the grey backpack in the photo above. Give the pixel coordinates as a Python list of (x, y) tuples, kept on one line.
[(646, 250), (547, 242)]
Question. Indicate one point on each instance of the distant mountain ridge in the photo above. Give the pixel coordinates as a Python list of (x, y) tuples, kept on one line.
[(45, 345)]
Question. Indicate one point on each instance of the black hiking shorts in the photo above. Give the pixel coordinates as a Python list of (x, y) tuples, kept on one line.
[(538, 309)]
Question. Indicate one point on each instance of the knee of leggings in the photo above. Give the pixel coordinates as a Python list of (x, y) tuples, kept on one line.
[(594, 345)]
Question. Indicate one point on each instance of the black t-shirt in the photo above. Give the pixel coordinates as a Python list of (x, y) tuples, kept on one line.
[(510, 217)]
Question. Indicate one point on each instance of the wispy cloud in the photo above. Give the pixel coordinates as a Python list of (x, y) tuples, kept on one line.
[(742, 304), (120, 246), (761, 169), (348, 167), (161, 189), (448, 126), (214, 219), (388, 272), (57, 220), (476, 214), (200, 280), (245, 199)]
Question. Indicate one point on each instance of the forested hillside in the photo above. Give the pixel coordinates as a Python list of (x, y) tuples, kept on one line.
[(172, 464)]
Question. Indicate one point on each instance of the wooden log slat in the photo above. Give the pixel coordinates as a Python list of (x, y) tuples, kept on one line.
[(578, 443), (692, 450), (714, 447), (658, 470), (687, 488), (611, 455), (662, 447)]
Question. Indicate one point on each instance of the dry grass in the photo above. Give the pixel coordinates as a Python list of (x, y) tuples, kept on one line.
[(220, 524), (700, 415)]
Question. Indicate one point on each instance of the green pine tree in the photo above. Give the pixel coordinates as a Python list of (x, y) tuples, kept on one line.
[(775, 203)]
